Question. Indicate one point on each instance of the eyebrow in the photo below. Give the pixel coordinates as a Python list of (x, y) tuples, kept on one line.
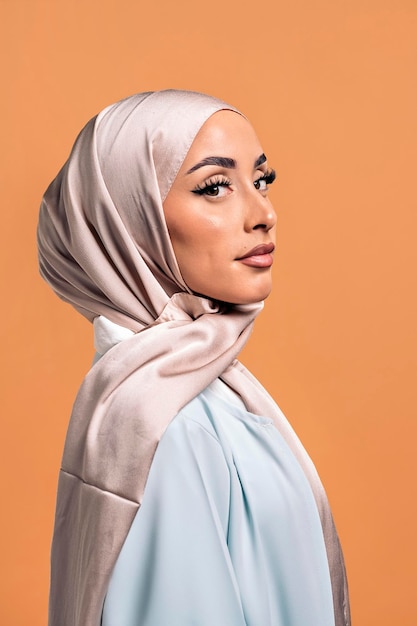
[(223, 162), (261, 159)]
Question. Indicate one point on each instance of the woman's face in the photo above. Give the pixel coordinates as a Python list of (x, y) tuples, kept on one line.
[(220, 219)]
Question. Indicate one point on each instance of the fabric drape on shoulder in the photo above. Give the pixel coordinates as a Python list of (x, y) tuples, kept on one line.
[(104, 247)]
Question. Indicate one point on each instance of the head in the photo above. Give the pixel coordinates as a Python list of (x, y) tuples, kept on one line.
[(138, 213)]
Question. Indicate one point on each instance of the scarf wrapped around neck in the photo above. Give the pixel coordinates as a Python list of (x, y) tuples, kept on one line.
[(104, 247)]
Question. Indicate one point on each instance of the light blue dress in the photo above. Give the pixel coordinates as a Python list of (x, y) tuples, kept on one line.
[(228, 533)]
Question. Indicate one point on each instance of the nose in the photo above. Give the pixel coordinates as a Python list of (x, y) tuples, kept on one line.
[(260, 214)]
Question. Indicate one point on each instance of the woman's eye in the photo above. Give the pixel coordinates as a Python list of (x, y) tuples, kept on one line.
[(261, 184), (264, 181), (216, 189), (213, 190)]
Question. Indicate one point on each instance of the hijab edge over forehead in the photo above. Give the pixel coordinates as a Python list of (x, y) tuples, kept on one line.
[(166, 188)]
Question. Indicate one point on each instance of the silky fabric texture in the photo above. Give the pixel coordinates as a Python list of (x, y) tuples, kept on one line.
[(104, 247)]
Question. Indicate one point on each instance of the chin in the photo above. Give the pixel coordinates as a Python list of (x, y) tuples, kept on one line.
[(255, 295), (250, 298), (242, 293)]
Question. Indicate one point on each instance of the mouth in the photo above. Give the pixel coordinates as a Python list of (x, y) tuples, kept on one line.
[(260, 256)]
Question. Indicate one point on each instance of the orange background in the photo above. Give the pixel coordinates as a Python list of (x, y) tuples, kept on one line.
[(330, 86)]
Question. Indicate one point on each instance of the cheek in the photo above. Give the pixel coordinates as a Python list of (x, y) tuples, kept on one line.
[(197, 232)]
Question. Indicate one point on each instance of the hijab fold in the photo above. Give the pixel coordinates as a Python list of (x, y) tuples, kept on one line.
[(104, 247)]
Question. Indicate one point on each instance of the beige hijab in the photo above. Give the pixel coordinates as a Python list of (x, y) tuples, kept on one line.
[(104, 247)]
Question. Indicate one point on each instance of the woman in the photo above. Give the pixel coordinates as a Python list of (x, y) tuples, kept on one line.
[(159, 230)]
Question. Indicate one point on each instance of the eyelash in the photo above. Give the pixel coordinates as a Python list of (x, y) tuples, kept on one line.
[(211, 184), (268, 177), (222, 181)]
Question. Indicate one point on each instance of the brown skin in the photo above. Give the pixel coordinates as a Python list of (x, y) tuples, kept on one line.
[(213, 230)]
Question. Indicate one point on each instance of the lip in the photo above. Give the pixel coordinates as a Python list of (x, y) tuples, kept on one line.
[(260, 256)]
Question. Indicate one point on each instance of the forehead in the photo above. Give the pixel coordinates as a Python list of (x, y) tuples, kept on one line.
[(225, 133)]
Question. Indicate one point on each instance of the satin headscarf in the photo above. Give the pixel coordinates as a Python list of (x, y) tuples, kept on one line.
[(104, 247), (103, 242)]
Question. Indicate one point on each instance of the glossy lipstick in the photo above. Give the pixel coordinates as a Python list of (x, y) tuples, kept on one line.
[(260, 256)]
